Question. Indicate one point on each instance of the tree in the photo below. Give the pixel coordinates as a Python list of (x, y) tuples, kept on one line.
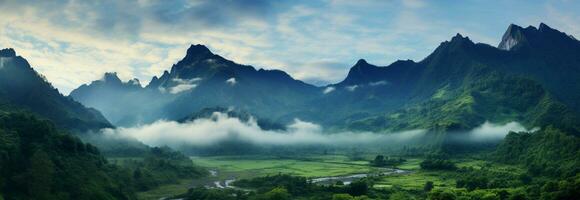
[(437, 164), (379, 161), (518, 196), (41, 175), (526, 179), (399, 196), (428, 186), (342, 197), (278, 193), (441, 195), (490, 196), (358, 188), (503, 194)]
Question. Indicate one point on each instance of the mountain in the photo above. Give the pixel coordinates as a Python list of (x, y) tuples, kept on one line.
[(543, 37), (200, 80), (366, 91), (463, 84), (216, 81), (110, 93), (40, 159), (546, 55), (530, 78), (23, 89)]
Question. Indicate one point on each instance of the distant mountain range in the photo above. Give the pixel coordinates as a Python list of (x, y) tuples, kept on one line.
[(531, 77)]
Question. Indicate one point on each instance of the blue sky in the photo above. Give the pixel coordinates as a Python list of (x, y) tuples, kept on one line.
[(73, 42)]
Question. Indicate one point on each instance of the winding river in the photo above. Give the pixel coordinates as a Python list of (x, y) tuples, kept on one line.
[(329, 180), (353, 177)]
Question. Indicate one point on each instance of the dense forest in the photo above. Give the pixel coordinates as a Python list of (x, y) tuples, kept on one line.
[(37, 161)]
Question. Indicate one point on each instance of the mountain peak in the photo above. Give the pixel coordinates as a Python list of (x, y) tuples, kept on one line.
[(459, 38), (361, 62), (9, 52), (541, 37), (195, 53), (361, 72), (198, 51), (457, 42), (362, 65), (513, 36), (134, 81), (111, 77), (544, 27)]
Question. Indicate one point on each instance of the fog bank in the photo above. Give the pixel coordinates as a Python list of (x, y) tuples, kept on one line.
[(489, 131), (220, 127)]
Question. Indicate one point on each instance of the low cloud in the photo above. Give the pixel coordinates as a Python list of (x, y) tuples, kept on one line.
[(182, 85), (328, 90), (378, 83), (351, 88), (490, 131), (2, 61), (232, 81), (220, 127)]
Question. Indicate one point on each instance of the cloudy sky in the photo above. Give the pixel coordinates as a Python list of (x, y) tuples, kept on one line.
[(73, 42)]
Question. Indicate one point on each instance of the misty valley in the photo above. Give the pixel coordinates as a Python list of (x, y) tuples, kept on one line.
[(469, 121)]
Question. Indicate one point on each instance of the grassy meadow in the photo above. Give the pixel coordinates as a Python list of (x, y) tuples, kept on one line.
[(247, 167)]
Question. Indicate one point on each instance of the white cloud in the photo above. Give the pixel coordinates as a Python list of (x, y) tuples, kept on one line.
[(181, 88), (205, 132), (231, 81), (328, 90), (490, 131), (2, 61), (378, 83), (220, 127), (351, 88), (186, 81), (182, 85)]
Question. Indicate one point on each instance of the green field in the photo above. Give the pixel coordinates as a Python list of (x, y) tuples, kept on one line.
[(441, 179), (242, 167), (311, 166), (417, 179), (165, 190)]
